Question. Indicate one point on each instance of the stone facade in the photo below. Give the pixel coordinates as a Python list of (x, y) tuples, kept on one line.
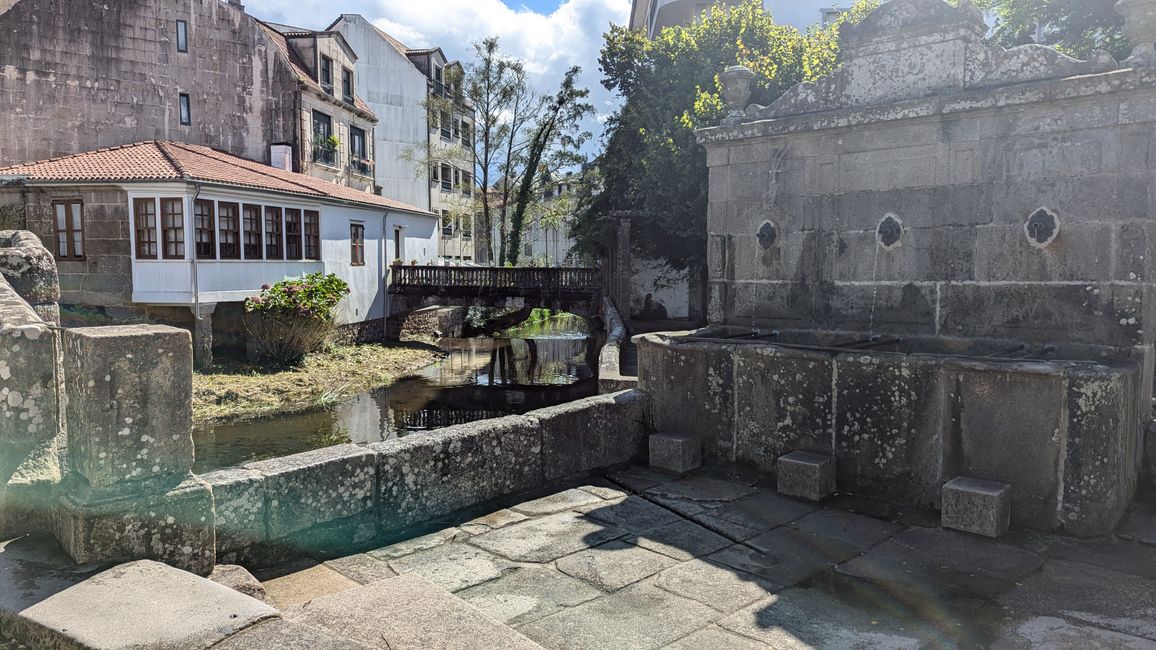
[(80, 75)]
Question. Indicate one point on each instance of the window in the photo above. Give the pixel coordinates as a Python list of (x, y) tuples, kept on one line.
[(173, 228), (69, 226), (447, 224), (444, 123), (273, 229), (434, 178), (252, 226), (357, 244), (447, 176), (467, 138), (324, 147), (458, 129), (182, 36), (145, 224), (347, 85), (292, 234), (229, 227), (398, 245), (439, 81), (312, 235), (467, 184), (186, 110), (467, 228), (326, 75), (204, 230), (357, 152)]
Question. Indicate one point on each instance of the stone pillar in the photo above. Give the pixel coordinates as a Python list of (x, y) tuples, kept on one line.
[(621, 269), (203, 334), (129, 417), (1140, 29)]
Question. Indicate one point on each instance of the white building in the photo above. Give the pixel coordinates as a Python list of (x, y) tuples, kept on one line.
[(426, 130), (546, 237), (199, 229)]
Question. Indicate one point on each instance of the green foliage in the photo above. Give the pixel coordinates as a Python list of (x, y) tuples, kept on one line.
[(652, 166), (294, 317), (1075, 27)]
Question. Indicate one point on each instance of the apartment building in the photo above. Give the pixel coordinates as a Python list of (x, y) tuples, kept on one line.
[(426, 135)]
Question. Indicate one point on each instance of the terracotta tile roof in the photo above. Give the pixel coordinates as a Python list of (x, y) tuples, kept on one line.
[(303, 75), (162, 160)]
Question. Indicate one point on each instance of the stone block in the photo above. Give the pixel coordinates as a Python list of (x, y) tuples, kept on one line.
[(591, 433), (675, 452), (173, 524), (239, 498), (28, 266), (427, 475), (129, 402), (169, 609), (28, 365), (806, 475), (324, 486), (976, 506)]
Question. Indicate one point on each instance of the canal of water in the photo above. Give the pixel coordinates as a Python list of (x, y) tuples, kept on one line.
[(528, 368)]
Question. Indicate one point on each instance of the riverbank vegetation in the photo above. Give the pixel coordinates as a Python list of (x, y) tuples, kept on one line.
[(237, 390)]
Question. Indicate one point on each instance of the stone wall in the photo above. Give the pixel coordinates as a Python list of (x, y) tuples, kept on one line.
[(940, 185), (84, 74), (342, 497), (1064, 435)]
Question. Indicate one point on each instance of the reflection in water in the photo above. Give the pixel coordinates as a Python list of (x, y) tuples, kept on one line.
[(480, 378)]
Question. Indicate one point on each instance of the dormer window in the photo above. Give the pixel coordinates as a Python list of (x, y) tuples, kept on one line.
[(325, 76), (347, 85)]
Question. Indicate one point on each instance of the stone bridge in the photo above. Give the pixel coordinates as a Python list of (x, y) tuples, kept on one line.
[(576, 290)]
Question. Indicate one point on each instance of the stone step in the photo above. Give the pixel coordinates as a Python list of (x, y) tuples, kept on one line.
[(407, 612)]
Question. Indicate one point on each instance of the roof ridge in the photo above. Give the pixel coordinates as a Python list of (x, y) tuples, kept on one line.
[(162, 146), (82, 153), (257, 168)]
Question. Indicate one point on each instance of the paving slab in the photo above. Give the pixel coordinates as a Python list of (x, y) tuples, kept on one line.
[(300, 586), (603, 491), (728, 529), (929, 563), (169, 609), (693, 494), (715, 638), (453, 566), (278, 634), (1112, 554), (33, 568), (632, 513), (527, 594), (560, 502), (639, 617), (792, 545), (361, 568), (1089, 594), (1032, 632), (417, 544), (785, 561), (682, 540), (548, 538), (762, 511), (614, 565), (638, 479), (493, 521), (856, 531), (408, 612), (799, 619), (715, 585)]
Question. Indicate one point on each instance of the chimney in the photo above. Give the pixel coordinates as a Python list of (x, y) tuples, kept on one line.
[(281, 156)]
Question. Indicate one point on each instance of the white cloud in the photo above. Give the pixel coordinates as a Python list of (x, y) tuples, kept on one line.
[(549, 43)]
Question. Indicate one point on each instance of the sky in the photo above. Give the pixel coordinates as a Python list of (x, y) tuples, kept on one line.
[(549, 35)]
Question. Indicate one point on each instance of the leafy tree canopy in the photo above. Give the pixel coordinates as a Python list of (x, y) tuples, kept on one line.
[(651, 164), (1075, 27)]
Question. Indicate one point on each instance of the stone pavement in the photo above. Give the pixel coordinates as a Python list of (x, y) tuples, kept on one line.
[(640, 560)]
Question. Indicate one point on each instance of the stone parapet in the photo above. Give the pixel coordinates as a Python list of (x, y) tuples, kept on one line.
[(31, 270)]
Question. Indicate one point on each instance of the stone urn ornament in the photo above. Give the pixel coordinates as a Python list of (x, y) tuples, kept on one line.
[(736, 89), (1140, 30)]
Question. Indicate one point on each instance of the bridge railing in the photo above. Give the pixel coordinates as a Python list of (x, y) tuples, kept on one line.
[(481, 277)]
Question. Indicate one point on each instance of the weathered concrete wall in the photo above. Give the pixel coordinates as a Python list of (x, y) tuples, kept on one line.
[(1063, 434), (83, 74), (347, 495)]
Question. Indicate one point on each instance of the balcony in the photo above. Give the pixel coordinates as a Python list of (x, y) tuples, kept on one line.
[(325, 154), (361, 166)]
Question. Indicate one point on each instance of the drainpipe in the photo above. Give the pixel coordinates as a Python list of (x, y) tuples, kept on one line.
[(196, 280)]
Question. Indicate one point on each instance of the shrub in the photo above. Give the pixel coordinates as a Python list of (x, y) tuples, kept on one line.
[(294, 317)]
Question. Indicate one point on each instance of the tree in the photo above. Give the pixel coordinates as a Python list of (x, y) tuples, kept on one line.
[(1075, 27), (558, 134), (651, 164)]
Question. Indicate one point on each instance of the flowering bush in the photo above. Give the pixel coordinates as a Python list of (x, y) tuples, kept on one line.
[(294, 317)]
